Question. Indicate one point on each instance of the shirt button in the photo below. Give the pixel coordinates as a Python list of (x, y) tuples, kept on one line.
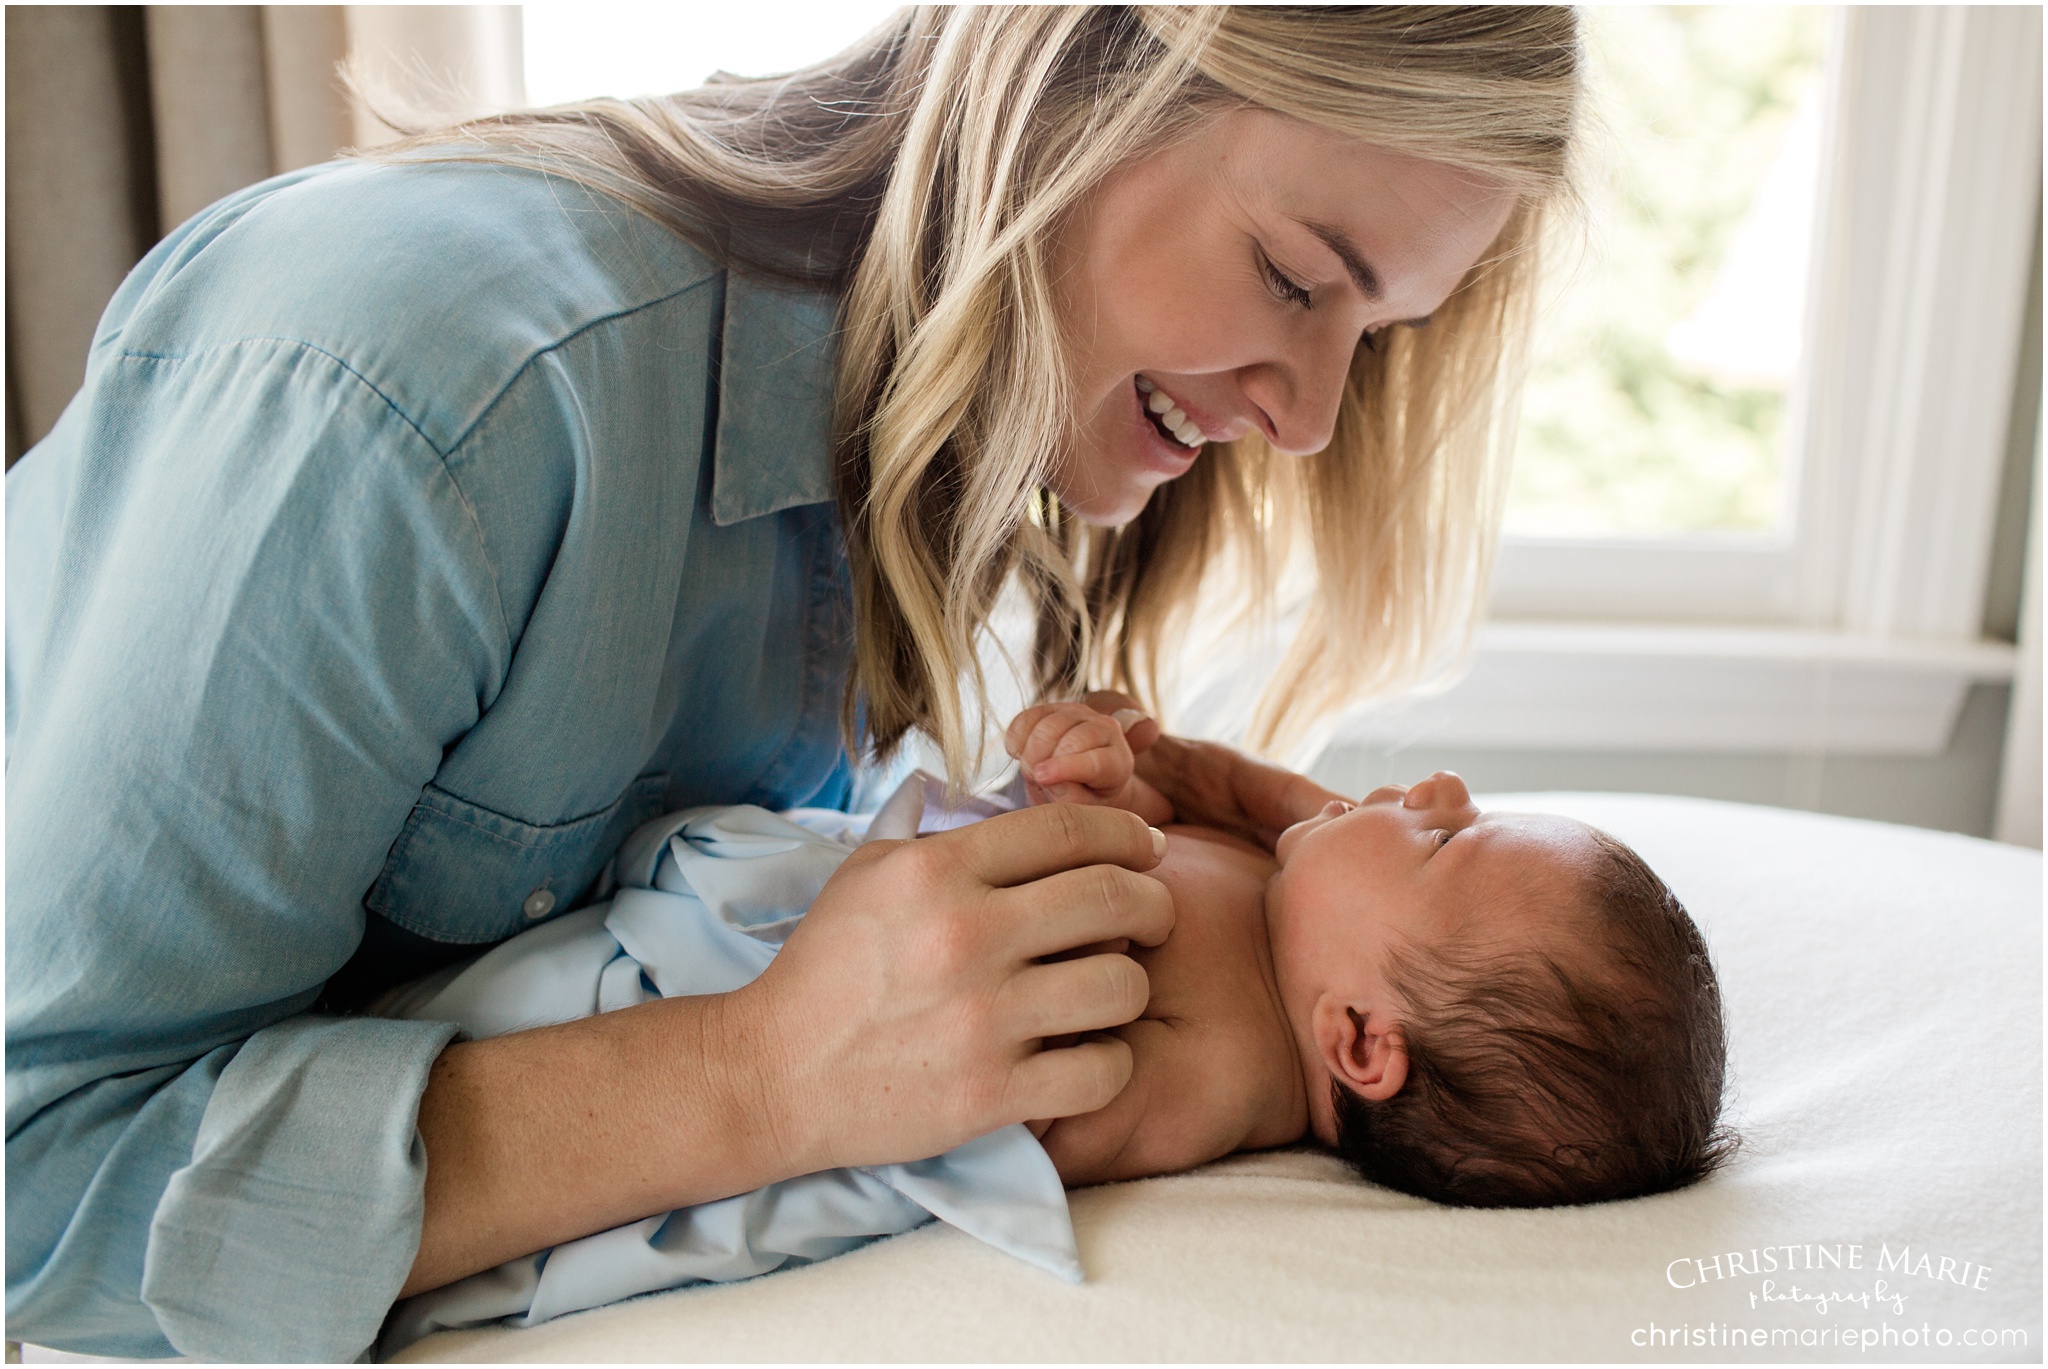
[(538, 904)]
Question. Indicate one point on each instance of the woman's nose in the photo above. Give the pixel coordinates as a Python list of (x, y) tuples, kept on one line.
[(1300, 392)]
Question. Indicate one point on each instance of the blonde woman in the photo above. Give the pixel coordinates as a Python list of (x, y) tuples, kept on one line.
[(426, 523)]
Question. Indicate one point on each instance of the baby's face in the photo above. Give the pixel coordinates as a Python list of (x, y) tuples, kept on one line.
[(1408, 866)]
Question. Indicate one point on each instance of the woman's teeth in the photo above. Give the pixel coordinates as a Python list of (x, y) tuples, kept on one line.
[(1169, 416)]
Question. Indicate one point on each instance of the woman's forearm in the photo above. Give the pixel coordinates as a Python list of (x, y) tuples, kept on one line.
[(542, 1136)]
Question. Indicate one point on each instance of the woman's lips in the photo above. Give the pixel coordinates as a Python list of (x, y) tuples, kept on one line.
[(1159, 452), (1168, 414), (1199, 424)]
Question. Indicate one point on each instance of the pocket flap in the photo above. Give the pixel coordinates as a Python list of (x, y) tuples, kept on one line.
[(463, 873)]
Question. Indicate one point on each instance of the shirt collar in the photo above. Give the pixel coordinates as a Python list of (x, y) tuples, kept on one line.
[(775, 392)]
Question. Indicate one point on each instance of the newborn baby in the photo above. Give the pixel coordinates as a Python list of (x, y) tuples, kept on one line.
[(1492, 1009)]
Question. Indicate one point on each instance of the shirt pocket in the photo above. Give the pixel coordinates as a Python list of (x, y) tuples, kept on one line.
[(462, 873)]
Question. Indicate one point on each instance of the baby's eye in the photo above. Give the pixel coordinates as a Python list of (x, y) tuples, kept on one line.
[(1440, 838)]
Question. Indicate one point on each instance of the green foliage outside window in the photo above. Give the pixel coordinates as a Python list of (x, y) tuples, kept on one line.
[(1620, 435)]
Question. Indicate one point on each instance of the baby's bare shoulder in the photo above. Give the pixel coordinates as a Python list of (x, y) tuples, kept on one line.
[(1216, 837)]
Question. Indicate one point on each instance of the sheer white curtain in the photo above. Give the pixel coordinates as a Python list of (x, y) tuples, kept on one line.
[(434, 62)]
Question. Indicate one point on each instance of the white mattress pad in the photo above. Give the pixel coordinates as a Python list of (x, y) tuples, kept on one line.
[(1883, 995)]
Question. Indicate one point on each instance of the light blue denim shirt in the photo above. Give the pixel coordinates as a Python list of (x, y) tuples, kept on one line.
[(418, 533)]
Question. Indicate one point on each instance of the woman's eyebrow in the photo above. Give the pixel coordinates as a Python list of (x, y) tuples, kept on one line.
[(1337, 240)]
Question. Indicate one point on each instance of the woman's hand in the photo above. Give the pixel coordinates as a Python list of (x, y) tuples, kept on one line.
[(903, 1017), (905, 1014), (1214, 785)]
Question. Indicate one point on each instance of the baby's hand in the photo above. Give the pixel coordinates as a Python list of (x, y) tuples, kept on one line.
[(1072, 754)]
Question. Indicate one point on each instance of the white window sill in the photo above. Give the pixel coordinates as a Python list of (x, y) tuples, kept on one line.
[(1631, 687)]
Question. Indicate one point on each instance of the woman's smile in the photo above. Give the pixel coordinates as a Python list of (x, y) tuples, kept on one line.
[(1168, 447)]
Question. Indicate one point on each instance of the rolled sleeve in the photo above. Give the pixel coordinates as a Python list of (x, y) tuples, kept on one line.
[(307, 1142)]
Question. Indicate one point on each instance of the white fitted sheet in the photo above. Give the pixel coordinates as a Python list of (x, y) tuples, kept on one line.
[(1883, 990)]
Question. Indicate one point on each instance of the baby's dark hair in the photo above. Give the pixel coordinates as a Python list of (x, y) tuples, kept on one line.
[(1535, 1081)]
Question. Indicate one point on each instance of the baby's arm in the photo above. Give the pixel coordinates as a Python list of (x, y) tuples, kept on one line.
[(1070, 753)]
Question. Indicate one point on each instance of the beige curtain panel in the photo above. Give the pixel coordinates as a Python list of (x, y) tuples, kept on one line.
[(125, 120)]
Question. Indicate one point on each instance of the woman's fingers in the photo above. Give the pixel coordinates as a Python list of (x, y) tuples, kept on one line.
[(1031, 843), (1080, 907), (1070, 1081), (1140, 731), (1116, 945), (898, 1016), (1090, 994)]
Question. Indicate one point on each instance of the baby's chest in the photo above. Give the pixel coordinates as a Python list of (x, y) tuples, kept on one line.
[(1210, 969), (1195, 983)]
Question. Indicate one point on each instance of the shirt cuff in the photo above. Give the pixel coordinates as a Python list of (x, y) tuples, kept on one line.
[(295, 1226)]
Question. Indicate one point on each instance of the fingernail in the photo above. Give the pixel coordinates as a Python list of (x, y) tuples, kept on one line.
[(1127, 718), (1158, 841)]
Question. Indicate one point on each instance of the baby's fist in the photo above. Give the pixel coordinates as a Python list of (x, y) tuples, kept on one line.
[(1072, 754)]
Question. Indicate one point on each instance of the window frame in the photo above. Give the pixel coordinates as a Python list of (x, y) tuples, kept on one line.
[(1857, 629)]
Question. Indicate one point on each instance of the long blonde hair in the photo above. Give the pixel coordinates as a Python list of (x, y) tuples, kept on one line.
[(924, 174)]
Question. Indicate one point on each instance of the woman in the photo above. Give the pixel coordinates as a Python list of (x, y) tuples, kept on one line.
[(426, 524)]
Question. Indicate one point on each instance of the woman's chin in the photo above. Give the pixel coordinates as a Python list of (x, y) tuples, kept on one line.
[(1108, 508), (1113, 501), (1112, 482)]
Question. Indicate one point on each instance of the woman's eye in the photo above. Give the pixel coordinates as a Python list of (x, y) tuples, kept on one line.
[(1283, 286)]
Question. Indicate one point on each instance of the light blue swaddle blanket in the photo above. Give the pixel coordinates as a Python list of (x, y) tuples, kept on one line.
[(704, 900)]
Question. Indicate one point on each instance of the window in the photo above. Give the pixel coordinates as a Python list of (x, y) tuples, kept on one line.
[(1664, 362), (1841, 613)]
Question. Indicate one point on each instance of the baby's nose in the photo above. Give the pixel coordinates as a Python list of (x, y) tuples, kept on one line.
[(1444, 789)]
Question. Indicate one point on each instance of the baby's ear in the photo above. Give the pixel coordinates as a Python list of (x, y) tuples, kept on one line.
[(1361, 1046)]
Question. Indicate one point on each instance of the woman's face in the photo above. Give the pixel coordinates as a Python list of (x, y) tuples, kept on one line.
[(1229, 278)]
